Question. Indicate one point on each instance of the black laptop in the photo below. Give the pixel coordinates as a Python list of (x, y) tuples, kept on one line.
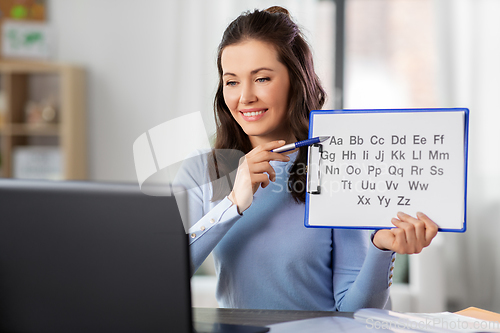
[(93, 257)]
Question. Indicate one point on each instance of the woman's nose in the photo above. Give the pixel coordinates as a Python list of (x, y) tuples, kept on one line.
[(247, 94)]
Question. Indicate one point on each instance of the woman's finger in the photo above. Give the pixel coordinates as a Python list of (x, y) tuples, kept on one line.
[(431, 228), (419, 227), (263, 152), (420, 231), (400, 244), (409, 228), (399, 235), (266, 155), (384, 239), (268, 146), (261, 179), (263, 167)]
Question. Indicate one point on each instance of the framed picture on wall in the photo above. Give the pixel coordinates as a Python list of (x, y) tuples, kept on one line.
[(23, 29)]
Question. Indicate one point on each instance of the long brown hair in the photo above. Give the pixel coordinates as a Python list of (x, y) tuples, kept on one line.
[(274, 26)]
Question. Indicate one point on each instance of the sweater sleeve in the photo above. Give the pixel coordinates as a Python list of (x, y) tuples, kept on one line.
[(207, 222), (362, 273)]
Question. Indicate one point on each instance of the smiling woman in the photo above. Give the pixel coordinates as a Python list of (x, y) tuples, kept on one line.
[(265, 258), (275, 34)]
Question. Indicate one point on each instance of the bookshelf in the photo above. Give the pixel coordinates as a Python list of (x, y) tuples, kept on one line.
[(55, 94)]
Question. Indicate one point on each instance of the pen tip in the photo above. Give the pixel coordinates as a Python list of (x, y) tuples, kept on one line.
[(323, 138)]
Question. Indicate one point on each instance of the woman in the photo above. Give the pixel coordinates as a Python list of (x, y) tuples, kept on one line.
[(264, 256)]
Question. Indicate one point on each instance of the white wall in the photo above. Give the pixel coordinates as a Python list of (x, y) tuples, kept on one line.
[(473, 259), (127, 49), (147, 62)]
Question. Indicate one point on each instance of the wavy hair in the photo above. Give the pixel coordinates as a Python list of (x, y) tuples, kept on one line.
[(274, 26)]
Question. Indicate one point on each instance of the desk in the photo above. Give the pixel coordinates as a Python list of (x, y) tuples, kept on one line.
[(257, 317)]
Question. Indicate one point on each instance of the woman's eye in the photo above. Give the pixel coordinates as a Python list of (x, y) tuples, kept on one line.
[(230, 83), (263, 79)]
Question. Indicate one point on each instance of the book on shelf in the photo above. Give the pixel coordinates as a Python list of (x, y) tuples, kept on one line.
[(37, 162)]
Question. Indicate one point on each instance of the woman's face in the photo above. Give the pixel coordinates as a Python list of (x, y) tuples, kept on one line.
[(256, 89)]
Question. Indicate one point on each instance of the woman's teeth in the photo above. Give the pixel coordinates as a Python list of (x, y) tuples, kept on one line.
[(252, 114)]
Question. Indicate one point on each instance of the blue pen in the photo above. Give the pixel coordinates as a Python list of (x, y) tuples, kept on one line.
[(308, 142)]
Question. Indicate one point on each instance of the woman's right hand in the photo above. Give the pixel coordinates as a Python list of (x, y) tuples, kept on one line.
[(254, 171)]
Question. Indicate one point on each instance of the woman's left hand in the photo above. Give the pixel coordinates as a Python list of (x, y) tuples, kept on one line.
[(410, 236)]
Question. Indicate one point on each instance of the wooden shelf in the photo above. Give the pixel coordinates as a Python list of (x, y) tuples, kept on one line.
[(31, 67), (67, 84), (32, 129)]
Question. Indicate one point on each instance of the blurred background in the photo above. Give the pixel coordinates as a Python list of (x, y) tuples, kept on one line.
[(81, 80)]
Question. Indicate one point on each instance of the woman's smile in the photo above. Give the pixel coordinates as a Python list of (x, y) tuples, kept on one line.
[(253, 114)]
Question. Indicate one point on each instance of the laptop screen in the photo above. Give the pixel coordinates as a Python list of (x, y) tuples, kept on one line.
[(80, 257)]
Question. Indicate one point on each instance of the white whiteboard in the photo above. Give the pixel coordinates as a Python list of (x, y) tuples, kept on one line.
[(379, 162)]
